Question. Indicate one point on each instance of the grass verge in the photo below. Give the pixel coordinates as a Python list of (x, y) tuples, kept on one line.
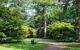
[(71, 48), (25, 45)]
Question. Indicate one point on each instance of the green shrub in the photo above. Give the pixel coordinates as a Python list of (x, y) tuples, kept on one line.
[(28, 31), (10, 24), (40, 33), (25, 30), (61, 31), (2, 37)]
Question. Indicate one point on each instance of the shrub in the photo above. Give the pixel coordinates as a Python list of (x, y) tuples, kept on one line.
[(40, 33), (61, 31), (10, 24), (32, 33), (2, 37), (25, 29), (28, 31)]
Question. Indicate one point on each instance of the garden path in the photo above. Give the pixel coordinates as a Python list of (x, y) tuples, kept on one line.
[(52, 45)]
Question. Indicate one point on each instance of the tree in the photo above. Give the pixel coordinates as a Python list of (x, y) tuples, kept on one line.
[(10, 24), (19, 5), (41, 16), (78, 17)]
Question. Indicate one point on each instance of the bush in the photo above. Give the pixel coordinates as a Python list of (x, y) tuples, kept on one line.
[(25, 29), (40, 33), (2, 37), (10, 24), (61, 31), (32, 33), (28, 31)]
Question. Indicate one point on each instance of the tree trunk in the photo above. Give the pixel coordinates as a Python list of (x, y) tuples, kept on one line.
[(45, 27), (78, 18)]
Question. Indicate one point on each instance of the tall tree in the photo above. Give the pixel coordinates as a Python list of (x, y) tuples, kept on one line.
[(19, 5), (78, 17), (41, 7)]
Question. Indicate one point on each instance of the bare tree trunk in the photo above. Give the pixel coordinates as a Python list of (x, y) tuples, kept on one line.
[(45, 27)]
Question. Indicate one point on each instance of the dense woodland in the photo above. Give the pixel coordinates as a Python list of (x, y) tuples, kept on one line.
[(52, 19)]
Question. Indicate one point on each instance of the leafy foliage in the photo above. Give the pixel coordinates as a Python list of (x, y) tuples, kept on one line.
[(61, 31), (10, 24), (58, 24), (13, 11), (25, 29)]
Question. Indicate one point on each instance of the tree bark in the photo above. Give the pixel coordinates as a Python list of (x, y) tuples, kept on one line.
[(45, 27)]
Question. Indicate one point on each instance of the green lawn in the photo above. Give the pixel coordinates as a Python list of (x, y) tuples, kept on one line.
[(72, 48), (25, 45)]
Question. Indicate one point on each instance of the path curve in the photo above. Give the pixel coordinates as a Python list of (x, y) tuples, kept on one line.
[(53, 47)]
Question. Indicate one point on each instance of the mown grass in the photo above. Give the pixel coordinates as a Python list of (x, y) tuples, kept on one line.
[(72, 48), (25, 45)]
